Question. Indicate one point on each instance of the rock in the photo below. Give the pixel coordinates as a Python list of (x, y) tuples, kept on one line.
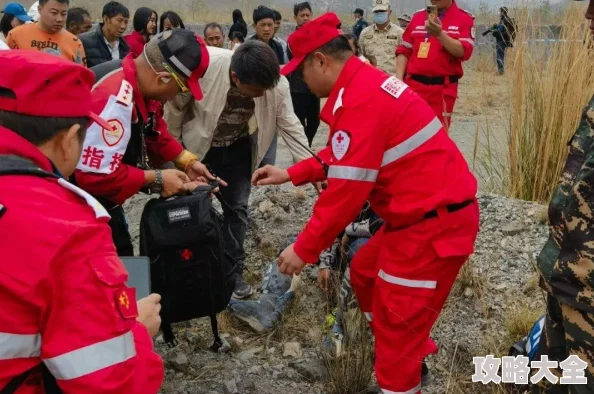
[(255, 370), (230, 387), (265, 206), (468, 292), (225, 346), (513, 229), (179, 361), (271, 350), (278, 375), (292, 349), (314, 370), (249, 354), (237, 341), (248, 387)]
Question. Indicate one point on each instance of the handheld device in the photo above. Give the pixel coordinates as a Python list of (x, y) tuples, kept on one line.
[(432, 11)]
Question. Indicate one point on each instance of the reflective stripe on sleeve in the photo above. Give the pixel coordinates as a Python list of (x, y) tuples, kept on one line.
[(19, 346), (407, 44), (468, 40), (352, 173), (420, 284), (411, 391), (92, 358), (412, 143)]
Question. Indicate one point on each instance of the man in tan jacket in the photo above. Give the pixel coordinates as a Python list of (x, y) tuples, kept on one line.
[(231, 129)]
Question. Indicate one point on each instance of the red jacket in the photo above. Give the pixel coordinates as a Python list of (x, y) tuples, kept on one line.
[(458, 24), (62, 285), (103, 170), (136, 42), (385, 146)]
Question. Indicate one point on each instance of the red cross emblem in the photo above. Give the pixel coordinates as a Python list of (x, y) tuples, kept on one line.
[(340, 138), (186, 254)]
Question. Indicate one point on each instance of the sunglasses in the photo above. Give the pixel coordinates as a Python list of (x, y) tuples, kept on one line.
[(182, 85)]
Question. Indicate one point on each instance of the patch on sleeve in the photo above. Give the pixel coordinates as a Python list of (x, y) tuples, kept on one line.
[(103, 149), (125, 300), (125, 94), (394, 86), (341, 141)]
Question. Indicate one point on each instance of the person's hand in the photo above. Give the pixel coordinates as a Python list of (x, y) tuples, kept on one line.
[(269, 175), (320, 186), (199, 170), (148, 313), (173, 183), (433, 26), (323, 279), (289, 263)]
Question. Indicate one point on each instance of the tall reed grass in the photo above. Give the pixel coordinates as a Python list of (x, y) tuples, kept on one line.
[(550, 82)]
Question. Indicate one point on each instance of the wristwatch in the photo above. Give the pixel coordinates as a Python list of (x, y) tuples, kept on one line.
[(157, 185)]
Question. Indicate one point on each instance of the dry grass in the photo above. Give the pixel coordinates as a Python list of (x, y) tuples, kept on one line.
[(550, 84), (351, 371)]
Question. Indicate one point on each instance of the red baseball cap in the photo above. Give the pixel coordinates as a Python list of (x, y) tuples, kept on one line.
[(187, 54), (46, 85), (310, 37)]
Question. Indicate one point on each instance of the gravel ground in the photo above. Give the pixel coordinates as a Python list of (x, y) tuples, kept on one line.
[(495, 288)]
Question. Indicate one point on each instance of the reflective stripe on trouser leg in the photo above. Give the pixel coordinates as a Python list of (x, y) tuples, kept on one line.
[(405, 309), (363, 272)]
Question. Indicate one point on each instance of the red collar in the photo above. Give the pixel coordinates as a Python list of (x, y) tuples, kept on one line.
[(351, 67), (130, 75), (13, 144)]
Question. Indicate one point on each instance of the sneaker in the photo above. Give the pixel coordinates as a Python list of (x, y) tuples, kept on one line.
[(242, 288), (425, 375)]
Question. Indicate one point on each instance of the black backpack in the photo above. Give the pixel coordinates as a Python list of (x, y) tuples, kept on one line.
[(183, 238)]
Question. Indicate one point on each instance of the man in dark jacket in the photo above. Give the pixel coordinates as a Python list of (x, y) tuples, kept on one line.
[(306, 104), (105, 42), (264, 25), (360, 23)]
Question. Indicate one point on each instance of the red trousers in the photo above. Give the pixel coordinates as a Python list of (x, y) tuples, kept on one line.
[(402, 279), (441, 98)]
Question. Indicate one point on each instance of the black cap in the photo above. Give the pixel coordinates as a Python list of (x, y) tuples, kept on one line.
[(186, 53)]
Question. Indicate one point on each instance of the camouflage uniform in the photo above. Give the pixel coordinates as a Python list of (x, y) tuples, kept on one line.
[(566, 263), (379, 46)]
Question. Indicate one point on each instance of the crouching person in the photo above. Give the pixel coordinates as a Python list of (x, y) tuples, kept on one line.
[(67, 317)]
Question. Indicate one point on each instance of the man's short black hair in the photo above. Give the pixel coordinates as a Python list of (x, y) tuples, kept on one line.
[(113, 9), (277, 16), (297, 8), (77, 15), (262, 12), (338, 48), (255, 63), (43, 2), (358, 11), (214, 25), (6, 23)]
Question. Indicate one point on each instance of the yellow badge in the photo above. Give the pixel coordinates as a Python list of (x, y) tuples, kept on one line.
[(424, 50)]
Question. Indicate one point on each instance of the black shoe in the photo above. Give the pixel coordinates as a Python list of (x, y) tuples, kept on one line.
[(425, 375), (242, 288)]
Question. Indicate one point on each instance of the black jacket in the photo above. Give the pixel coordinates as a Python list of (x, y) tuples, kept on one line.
[(276, 47), (296, 82), (96, 48)]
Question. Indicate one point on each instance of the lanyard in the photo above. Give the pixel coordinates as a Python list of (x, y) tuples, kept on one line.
[(440, 16)]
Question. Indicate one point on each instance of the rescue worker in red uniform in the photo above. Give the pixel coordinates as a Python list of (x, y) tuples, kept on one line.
[(387, 146), (67, 317), (430, 57), (118, 163)]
